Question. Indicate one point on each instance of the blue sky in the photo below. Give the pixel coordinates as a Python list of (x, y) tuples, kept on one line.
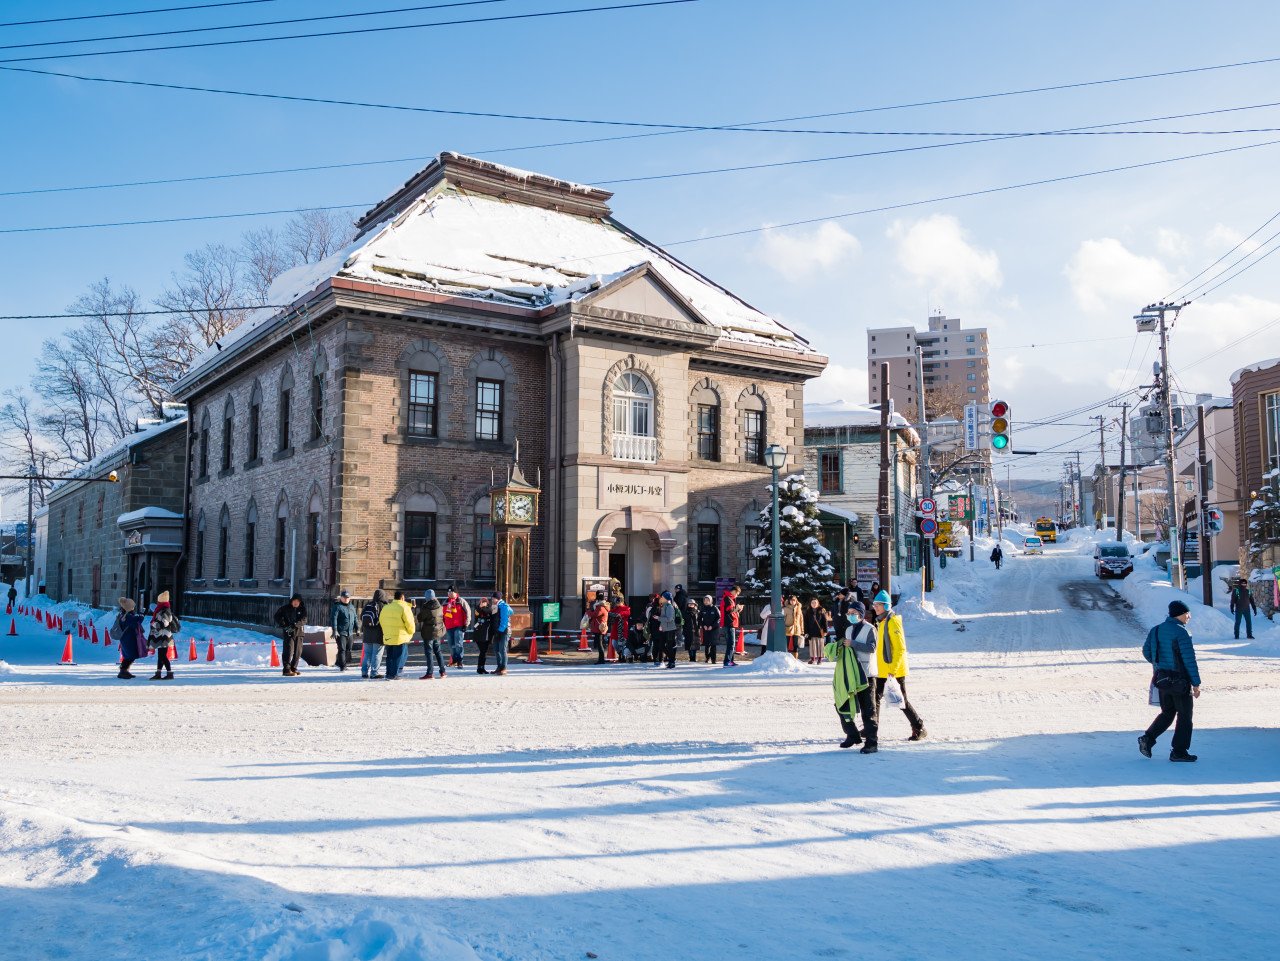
[(1068, 262)]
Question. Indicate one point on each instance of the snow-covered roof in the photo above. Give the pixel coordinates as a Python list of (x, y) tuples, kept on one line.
[(113, 453), (1250, 368), (842, 512), (841, 413), (451, 231), (147, 514)]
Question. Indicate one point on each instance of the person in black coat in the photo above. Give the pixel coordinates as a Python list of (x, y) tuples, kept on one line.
[(709, 624), (482, 619), (291, 618), (130, 635), (1243, 606)]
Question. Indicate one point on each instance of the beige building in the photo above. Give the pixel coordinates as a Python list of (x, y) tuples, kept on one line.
[(954, 360), (351, 440)]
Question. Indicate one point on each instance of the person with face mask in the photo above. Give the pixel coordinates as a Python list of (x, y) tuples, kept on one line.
[(852, 683)]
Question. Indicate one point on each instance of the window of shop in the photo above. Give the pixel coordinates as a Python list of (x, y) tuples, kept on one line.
[(419, 546), (830, 474)]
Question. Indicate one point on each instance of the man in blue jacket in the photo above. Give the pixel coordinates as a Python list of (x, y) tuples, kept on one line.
[(501, 629), (1177, 677)]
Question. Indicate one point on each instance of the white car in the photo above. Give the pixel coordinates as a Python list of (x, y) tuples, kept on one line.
[(1033, 545)]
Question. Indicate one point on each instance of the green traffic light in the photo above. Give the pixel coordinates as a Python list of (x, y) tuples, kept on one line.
[(999, 441)]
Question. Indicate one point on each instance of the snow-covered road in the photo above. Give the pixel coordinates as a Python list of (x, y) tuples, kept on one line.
[(643, 814)]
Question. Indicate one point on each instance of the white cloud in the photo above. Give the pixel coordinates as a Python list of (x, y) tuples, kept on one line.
[(1171, 243), (799, 254), (1105, 275), (838, 383), (1222, 238), (936, 252)]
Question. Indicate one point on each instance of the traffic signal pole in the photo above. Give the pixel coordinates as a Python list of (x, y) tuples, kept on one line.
[(926, 475)]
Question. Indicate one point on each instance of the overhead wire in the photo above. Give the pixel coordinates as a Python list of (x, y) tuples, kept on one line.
[(246, 26), (205, 44), (135, 13), (986, 191)]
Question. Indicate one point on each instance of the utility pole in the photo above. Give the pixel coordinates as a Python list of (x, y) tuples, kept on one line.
[(882, 507), (1100, 511), (926, 478), (1206, 551), (31, 491), (1153, 318), (1080, 491), (1124, 425), (973, 518)]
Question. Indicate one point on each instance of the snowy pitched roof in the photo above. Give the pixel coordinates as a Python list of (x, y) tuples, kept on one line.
[(842, 413), (1250, 368), (112, 454), (480, 232)]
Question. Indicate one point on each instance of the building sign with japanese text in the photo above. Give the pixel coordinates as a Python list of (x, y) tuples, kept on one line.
[(632, 489)]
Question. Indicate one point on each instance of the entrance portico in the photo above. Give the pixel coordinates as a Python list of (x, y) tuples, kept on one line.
[(635, 545)]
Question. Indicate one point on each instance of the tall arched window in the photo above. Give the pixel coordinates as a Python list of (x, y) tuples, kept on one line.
[(203, 446), (255, 424), (706, 546), (224, 535), (282, 537), (313, 537), (251, 541), (482, 544), (228, 435), (199, 560), (284, 427), (753, 428), (633, 423)]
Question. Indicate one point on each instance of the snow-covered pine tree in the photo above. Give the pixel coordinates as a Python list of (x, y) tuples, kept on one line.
[(806, 564)]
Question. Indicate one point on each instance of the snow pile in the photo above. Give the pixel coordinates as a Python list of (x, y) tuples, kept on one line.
[(369, 936), (774, 663), (6, 669)]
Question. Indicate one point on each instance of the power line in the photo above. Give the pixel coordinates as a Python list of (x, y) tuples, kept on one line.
[(135, 13), (353, 31), (693, 240), (1168, 298), (139, 313), (245, 26), (615, 181)]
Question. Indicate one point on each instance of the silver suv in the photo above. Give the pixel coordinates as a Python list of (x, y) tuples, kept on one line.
[(1112, 560)]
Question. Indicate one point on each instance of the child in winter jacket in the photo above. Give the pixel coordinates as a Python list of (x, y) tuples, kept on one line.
[(164, 625)]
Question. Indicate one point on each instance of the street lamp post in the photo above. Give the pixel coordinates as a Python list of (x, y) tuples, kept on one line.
[(774, 457)]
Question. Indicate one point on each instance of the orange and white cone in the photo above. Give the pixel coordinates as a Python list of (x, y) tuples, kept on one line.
[(106, 637), (275, 654), (741, 647), (13, 627), (95, 634), (66, 651), (582, 641), (209, 656), (192, 655), (533, 650), (173, 652)]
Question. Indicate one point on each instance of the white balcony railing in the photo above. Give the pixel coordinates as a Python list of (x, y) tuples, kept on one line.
[(635, 447)]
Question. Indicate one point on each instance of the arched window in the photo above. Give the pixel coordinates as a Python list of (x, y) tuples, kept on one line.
[(228, 435), (199, 559), (313, 537), (422, 403), (419, 539), (255, 424), (251, 541), (491, 389), (706, 403), (706, 546), (282, 537), (753, 428), (482, 544), (203, 446), (284, 429), (224, 541), (633, 422), (317, 398)]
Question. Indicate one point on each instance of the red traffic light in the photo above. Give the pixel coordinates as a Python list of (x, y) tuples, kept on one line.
[(999, 408)]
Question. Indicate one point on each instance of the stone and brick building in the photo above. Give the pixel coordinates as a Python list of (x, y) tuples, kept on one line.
[(351, 439), (1255, 397), (104, 540)]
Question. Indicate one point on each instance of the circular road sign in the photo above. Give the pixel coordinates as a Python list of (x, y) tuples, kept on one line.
[(928, 505), (928, 527)]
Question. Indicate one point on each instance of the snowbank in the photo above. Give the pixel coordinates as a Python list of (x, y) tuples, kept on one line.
[(774, 663)]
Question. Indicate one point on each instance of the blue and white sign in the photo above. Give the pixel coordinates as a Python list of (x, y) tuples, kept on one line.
[(970, 426)]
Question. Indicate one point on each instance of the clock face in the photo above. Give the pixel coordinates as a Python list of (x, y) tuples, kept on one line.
[(522, 507), (500, 509)]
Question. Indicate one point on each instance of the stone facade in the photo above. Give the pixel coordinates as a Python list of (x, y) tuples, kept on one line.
[(601, 393), (85, 554)]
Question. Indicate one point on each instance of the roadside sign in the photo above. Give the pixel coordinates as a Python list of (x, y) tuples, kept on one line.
[(550, 612), (941, 541), (928, 505), (970, 426), (929, 527)]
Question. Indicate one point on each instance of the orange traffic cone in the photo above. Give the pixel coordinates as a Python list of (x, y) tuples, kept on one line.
[(741, 647), (60, 623), (275, 655), (95, 634), (66, 651), (582, 642), (533, 650), (209, 656), (611, 654), (13, 627), (192, 655), (173, 651), (106, 637)]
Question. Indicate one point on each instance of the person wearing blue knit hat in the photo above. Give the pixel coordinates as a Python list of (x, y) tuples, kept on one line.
[(891, 660)]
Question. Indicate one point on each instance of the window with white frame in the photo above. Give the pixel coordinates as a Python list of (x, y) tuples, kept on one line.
[(633, 420)]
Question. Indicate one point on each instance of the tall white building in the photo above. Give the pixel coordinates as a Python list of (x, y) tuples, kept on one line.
[(954, 357)]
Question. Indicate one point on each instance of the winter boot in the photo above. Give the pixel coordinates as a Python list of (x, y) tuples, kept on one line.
[(869, 748), (851, 735), (1145, 744), (124, 675), (918, 733), (1183, 756), (157, 676)]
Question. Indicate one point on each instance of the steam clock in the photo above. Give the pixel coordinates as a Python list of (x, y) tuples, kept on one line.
[(514, 512)]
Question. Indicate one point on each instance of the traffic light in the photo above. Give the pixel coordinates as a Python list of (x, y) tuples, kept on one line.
[(999, 425), (1214, 520)]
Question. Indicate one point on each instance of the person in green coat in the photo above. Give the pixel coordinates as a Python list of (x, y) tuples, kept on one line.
[(850, 685)]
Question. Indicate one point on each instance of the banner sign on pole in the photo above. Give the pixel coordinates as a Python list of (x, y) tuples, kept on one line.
[(970, 426)]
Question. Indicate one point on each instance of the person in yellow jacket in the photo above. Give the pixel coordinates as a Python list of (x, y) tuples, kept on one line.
[(891, 660), (398, 626)]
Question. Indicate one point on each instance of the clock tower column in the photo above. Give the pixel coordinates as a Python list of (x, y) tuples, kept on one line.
[(514, 513)]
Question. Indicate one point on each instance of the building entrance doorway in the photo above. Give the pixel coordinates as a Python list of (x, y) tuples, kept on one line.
[(618, 570)]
